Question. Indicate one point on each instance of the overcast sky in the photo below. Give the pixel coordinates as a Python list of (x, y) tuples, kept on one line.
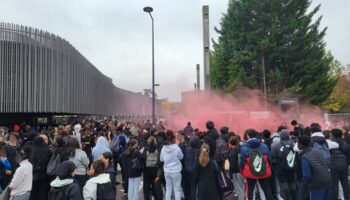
[(115, 35)]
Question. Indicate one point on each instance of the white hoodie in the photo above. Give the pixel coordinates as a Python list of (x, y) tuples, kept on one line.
[(171, 155), (90, 188), (77, 134)]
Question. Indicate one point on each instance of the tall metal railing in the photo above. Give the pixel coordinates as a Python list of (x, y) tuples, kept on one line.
[(43, 73)]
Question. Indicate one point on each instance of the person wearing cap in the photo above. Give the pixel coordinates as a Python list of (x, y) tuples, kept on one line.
[(21, 183), (64, 186)]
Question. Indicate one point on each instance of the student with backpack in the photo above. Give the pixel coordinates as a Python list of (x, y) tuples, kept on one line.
[(99, 187), (190, 160), (136, 163), (151, 155), (255, 166), (205, 177), (286, 163), (318, 142), (64, 187), (221, 149), (315, 172)]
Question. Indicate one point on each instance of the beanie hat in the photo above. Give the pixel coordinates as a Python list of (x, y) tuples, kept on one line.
[(16, 128), (66, 169)]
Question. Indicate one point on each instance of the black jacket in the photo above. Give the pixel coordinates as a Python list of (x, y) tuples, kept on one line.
[(344, 148), (234, 164), (205, 180), (320, 173), (132, 172), (210, 138), (71, 191), (112, 174)]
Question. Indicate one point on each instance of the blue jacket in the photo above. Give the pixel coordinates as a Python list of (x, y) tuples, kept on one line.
[(253, 143)]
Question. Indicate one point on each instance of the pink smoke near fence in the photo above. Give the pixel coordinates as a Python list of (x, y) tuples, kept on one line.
[(239, 111)]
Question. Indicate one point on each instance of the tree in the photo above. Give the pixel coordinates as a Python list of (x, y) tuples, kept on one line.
[(274, 46)]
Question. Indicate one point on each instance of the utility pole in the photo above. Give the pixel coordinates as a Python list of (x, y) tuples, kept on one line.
[(206, 47), (198, 85), (264, 80)]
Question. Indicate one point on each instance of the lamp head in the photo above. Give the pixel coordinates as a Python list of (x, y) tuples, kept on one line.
[(148, 9)]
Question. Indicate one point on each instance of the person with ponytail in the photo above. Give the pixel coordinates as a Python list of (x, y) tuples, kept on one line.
[(134, 171), (204, 177)]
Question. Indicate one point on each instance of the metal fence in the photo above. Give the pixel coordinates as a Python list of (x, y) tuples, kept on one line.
[(43, 73)]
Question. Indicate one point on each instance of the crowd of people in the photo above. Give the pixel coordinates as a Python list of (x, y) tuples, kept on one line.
[(81, 161)]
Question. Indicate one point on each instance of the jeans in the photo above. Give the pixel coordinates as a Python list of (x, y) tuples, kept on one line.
[(24, 196), (133, 189), (173, 182), (321, 194), (238, 183)]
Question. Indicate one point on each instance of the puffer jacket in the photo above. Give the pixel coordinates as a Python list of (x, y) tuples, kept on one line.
[(253, 143), (90, 188), (338, 159)]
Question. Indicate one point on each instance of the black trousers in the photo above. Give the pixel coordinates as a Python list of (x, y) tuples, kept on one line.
[(40, 189), (149, 184), (288, 186), (342, 176), (186, 184), (265, 185)]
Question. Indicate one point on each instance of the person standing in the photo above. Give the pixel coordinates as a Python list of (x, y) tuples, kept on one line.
[(40, 159), (100, 148), (134, 172), (64, 186), (315, 171), (21, 184), (172, 155), (151, 155), (237, 179), (80, 159), (204, 175), (255, 165)]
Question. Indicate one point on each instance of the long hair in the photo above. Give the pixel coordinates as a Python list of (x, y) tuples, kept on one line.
[(72, 145), (131, 145), (99, 167), (204, 155), (40, 151)]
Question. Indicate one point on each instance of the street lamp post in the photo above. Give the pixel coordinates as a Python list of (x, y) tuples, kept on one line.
[(149, 10)]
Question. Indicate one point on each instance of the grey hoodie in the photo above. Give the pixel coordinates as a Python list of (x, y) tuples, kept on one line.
[(171, 155), (81, 161)]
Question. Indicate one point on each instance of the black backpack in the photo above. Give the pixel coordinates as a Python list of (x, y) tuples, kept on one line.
[(288, 158), (190, 158), (105, 191), (58, 193), (257, 163), (221, 150), (53, 165)]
